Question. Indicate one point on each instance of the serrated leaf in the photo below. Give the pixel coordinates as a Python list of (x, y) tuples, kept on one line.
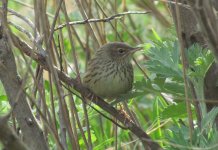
[(199, 60), (164, 59)]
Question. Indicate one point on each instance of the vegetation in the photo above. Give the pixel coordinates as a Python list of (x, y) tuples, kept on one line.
[(167, 102)]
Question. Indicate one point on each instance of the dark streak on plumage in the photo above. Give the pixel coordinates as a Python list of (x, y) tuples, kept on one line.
[(108, 63)]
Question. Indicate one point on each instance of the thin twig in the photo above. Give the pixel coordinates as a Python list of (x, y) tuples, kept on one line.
[(21, 29), (184, 62), (175, 3), (25, 19), (116, 16)]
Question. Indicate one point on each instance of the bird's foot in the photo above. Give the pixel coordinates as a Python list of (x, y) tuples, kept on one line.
[(126, 116)]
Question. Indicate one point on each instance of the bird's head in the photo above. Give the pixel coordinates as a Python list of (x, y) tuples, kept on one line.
[(118, 51)]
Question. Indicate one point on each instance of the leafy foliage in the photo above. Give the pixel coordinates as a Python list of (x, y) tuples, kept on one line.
[(204, 137), (158, 103), (165, 67)]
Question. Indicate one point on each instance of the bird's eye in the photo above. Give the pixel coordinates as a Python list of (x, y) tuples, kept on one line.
[(121, 51)]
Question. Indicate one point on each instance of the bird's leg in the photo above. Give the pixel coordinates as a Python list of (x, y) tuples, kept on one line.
[(124, 109), (130, 113), (126, 116)]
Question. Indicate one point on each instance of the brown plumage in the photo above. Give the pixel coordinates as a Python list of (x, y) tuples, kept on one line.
[(110, 72)]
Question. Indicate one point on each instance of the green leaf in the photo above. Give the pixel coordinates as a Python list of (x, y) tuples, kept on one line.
[(103, 144), (156, 116), (3, 98), (209, 118), (174, 111), (164, 60), (174, 88), (157, 37), (199, 60)]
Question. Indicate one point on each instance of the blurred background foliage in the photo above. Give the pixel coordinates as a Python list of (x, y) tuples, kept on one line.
[(157, 101)]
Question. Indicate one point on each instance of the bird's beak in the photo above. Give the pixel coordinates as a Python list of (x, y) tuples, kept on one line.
[(136, 49)]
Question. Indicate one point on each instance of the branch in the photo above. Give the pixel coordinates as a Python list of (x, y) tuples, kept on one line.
[(116, 16), (13, 86), (129, 124), (204, 12), (8, 137)]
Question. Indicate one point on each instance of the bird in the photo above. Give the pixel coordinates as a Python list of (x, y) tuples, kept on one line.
[(110, 72)]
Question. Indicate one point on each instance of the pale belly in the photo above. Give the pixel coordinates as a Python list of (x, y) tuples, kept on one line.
[(111, 85)]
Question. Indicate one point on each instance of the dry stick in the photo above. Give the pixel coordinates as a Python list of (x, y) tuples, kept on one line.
[(83, 13), (55, 134), (36, 81), (78, 73), (132, 23), (25, 19), (125, 28), (32, 39), (52, 104), (122, 23), (88, 9), (173, 2), (184, 62), (140, 68), (14, 88), (45, 109), (75, 34), (67, 117), (74, 109), (117, 35), (39, 77), (207, 22), (149, 4), (51, 60), (63, 107), (116, 16), (8, 137), (196, 104), (73, 121), (101, 25), (35, 40), (71, 110), (22, 46)]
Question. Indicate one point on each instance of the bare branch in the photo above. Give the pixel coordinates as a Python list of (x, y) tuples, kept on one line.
[(9, 139), (116, 16), (17, 98)]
